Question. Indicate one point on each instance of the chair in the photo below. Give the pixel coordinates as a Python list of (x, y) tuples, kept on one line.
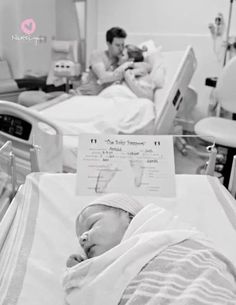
[(64, 54), (64, 67), (223, 129)]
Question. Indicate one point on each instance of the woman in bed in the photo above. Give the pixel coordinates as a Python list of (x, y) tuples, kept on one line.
[(134, 73), (144, 255), (131, 78), (136, 81), (137, 78)]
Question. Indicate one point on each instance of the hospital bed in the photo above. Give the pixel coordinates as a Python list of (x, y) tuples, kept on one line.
[(179, 69), (116, 116), (37, 232)]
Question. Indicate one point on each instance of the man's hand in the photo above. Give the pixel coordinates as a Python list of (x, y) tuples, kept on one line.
[(74, 259)]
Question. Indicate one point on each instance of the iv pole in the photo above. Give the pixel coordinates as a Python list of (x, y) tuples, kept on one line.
[(228, 31)]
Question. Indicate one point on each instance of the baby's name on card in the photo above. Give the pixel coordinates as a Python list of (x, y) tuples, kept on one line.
[(133, 164)]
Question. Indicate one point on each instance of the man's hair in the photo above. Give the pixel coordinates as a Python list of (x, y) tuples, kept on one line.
[(115, 32), (135, 53)]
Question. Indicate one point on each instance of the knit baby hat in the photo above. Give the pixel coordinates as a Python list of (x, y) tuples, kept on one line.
[(117, 200)]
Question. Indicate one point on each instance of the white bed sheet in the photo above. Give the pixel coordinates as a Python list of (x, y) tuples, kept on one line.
[(42, 234), (95, 114)]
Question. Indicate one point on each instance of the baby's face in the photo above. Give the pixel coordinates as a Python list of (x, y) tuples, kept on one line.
[(100, 229)]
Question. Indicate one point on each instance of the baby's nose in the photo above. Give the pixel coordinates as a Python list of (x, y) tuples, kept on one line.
[(83, 239)]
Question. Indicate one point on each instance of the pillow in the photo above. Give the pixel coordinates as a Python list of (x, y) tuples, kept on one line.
[(158, 75), (155, 58), (153, 55), (150, 46)]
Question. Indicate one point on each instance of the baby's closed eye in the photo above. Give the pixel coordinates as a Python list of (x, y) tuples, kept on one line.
[(92, 224)]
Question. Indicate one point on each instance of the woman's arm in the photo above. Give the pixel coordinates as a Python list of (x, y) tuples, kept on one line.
[(106, 76), (142, 68), (110, 76), (142, 87)]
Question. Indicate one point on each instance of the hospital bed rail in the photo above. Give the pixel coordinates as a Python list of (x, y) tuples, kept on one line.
[(170, 98), (36, 142), (8, 187), (232, 180)]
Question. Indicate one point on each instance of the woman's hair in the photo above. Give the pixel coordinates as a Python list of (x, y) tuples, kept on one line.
[(135, 53)]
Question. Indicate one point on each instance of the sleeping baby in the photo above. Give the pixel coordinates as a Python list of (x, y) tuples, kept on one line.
[(130, 249), (101, 225)]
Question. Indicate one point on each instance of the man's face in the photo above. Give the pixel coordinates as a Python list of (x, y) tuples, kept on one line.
[(116, 47)]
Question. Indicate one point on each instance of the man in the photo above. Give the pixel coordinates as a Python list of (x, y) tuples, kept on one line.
[(103, 65)]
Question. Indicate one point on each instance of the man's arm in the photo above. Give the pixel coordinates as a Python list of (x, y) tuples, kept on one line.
[(105, 76)]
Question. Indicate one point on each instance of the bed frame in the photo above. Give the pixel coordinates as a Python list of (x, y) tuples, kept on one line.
[(33, 254), (181, 66)]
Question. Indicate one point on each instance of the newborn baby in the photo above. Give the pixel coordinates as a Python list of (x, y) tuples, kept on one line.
[(101, 225)]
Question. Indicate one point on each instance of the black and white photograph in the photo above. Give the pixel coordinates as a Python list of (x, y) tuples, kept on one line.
[(117, 152)]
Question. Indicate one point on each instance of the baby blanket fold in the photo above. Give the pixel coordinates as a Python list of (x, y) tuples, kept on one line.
[(103, 279), (185, 273)]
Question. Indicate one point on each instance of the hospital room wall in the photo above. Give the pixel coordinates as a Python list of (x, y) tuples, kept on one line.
[(172, 24), (24, 56), (55, 19), (9, 17)]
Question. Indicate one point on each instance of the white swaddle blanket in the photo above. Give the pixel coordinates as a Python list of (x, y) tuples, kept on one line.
[(103, 279)]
